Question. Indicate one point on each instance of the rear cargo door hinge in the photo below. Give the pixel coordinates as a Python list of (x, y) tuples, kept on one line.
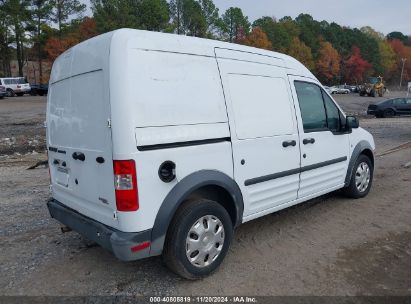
[(109, 123)]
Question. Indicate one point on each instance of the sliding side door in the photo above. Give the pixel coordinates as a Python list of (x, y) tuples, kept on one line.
[(263, 126)]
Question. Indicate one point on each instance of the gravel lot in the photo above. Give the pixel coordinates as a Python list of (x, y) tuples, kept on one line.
[(328, 246)]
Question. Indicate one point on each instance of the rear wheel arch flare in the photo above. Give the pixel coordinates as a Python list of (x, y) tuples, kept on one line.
[(219, 195), (209, 184)]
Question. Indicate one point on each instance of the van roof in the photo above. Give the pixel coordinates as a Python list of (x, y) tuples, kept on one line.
[(139, 39), (197, 46)]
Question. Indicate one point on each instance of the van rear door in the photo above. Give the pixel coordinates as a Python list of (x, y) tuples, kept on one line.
[(79, 142)]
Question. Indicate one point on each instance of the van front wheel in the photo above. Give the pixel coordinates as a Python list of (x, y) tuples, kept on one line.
[(361, 178), (198, 239)]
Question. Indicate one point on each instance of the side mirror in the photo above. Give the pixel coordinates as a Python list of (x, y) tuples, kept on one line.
[(352, 122)]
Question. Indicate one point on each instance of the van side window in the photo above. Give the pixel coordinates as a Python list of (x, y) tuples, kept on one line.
[(333, 114), (312, 106)]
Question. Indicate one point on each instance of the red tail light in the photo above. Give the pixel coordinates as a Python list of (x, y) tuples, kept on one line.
[(125, 183)]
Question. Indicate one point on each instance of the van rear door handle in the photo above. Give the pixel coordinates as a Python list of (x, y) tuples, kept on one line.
[(308, 141), (289, 143), (79, 156)]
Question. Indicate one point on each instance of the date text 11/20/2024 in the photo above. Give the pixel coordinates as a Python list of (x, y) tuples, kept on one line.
[(203, 299)]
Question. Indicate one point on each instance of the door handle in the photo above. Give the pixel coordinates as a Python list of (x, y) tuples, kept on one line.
[(307, 141), (289, 143), (79, 156)]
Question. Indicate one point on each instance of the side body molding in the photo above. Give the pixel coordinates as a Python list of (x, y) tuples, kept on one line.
[(359, 148), (181, 191)]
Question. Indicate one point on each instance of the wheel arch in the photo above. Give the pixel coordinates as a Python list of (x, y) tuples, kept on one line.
[(363, 147), (210, 184)]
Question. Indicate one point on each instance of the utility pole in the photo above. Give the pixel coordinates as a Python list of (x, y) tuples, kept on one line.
[(403, 60)]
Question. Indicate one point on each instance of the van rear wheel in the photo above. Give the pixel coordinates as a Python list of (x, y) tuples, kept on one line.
[(198, 239)]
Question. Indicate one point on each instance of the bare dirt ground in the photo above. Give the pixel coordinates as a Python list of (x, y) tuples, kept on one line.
[(22, 125), (328, 246)]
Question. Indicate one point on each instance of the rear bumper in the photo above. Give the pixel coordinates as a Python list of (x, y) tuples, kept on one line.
[(23, 90), (126, 246)]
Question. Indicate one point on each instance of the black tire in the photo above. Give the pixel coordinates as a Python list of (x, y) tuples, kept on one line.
[(19, 94), (174, 254), (10, 93), (352, 189), (378, 116), (388, 113)]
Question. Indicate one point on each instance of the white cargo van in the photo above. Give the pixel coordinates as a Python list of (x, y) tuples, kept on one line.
[(161, 144)]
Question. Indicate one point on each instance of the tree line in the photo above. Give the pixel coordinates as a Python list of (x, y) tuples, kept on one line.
[(40, 30)]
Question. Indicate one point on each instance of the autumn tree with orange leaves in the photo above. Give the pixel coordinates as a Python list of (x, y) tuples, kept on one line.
[(300, 51), (401, 51), (85, 29), (257, 38), (328, 65), (55, 46)]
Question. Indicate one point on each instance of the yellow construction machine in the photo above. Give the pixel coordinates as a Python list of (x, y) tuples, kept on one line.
[(374, 87)]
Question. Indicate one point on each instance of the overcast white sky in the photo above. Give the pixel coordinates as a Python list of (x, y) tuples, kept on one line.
[(383, 15)]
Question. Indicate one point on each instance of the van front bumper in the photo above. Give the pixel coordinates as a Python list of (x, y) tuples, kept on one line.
[(126, 246)]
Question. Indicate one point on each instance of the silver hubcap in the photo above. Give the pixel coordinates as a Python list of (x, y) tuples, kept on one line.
[(362, 177), (205, 240)]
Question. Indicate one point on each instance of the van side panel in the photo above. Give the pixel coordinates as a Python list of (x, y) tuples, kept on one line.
[(159, 98), (152, 191), (173, 89)]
